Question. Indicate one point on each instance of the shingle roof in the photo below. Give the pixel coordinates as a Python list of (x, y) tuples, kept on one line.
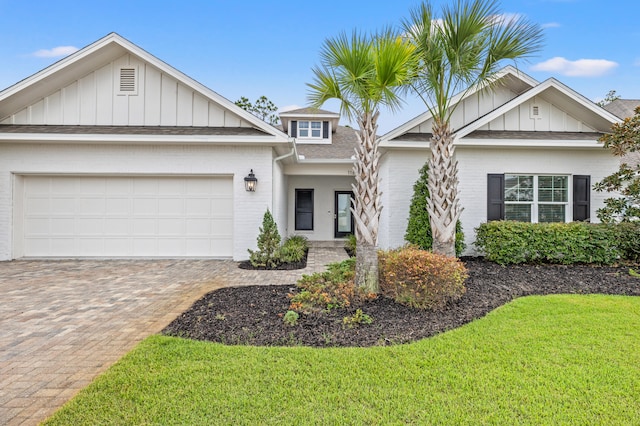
[(508, 134), (622, 108), (344, 142), (132, 130), (309, 111)]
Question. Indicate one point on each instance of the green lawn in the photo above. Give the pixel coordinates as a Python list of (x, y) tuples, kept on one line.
[(539, 360)]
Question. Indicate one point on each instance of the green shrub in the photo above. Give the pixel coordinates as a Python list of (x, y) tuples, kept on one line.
[(359, 318), (294, 249), (420, 278), (628, 240), (419, 228), (328, 290), (350, 245), (506, 242), (268, 253), (291, 318)]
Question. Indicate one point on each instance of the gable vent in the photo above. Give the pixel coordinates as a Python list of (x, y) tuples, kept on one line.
[(536, 112), (128, 81)]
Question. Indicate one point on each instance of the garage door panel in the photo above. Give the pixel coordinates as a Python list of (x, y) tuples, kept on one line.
[(60, 226), (116, 226), (145, 206), (170, 227), (171, 207), (127, 216), (198, 207), (62, 205), (117, 207), (91, 206)]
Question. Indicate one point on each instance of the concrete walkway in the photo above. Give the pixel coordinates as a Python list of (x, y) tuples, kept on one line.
[(63, 322)]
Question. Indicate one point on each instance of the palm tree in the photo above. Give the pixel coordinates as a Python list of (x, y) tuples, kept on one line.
[(460, 51), (364, 73)]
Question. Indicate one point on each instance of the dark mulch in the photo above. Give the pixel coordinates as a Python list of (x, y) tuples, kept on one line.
[(253, 315)]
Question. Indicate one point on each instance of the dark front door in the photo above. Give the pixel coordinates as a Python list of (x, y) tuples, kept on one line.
[(342, 214)]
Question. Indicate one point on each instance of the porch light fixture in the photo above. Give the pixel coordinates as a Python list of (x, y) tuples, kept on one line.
[(250, 182)]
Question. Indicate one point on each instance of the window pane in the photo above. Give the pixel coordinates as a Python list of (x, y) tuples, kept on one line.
[(316, 125), (552, 189), (551, 213), (315, 133), (304, 209), (518, 188), (518, 212), (303, 124)]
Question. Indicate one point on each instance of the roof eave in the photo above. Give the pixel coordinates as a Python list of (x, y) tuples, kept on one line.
[(140, 139)]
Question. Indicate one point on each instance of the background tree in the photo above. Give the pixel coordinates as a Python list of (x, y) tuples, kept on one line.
[(364, 73), (262, 108), (418, 226), (459, 51), (623, 139), (609, 97)]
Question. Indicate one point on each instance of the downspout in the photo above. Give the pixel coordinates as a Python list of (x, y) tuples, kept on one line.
[(294, 152)]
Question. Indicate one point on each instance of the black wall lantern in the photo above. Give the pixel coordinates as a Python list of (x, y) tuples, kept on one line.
[(250, 182)]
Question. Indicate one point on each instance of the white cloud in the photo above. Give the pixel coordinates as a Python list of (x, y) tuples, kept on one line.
[(551, 25), (56, 52), (579, 68)]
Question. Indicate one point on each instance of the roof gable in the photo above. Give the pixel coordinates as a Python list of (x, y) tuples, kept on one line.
[(560, 109), (83, 89), (472, 104)]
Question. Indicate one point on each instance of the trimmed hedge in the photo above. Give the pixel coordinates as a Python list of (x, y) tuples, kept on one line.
[(419, 278), (506, 242)]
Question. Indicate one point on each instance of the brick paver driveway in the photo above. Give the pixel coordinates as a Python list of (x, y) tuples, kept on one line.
[(64, 322)]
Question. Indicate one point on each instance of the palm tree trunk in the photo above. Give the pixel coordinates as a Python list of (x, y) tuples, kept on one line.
[(366, 203), (443, 205)]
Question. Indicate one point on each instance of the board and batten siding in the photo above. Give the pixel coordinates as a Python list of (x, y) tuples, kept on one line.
[(551, 117), (95, 99), (472, 108)]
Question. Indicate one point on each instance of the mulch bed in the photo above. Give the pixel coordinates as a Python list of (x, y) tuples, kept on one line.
[(252, 315)]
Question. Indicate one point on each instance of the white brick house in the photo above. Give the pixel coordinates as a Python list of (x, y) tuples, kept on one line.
[(110, 152)]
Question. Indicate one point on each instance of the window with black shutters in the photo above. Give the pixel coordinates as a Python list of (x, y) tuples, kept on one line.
[(304, 210)]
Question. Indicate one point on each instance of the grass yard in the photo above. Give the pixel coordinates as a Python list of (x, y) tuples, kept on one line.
[(562, 359)]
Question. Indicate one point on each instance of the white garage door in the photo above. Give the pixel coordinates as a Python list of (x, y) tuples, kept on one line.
[(127, 216)]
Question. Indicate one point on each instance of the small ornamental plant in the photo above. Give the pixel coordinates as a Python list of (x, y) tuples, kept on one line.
[(357, 319), (268, 253), (329, 290), (421, 279), (291, 318)]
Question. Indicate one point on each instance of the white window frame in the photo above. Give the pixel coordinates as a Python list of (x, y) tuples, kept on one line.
[(309, 129), (535, 203)]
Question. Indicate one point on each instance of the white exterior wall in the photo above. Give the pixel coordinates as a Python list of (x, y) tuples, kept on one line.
[(475, 163), (323, 204), (280, 198), (94, 100), (126, 160), (399, 172)]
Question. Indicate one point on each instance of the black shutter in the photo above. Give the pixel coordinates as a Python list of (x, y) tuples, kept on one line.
[(294, 128), (325, 130), (495, 197), (581, 198)]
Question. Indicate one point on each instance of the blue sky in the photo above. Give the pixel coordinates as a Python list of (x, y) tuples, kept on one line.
[(254, 48)]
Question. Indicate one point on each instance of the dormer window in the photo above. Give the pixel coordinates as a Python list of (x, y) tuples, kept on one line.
[(310, 129)]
